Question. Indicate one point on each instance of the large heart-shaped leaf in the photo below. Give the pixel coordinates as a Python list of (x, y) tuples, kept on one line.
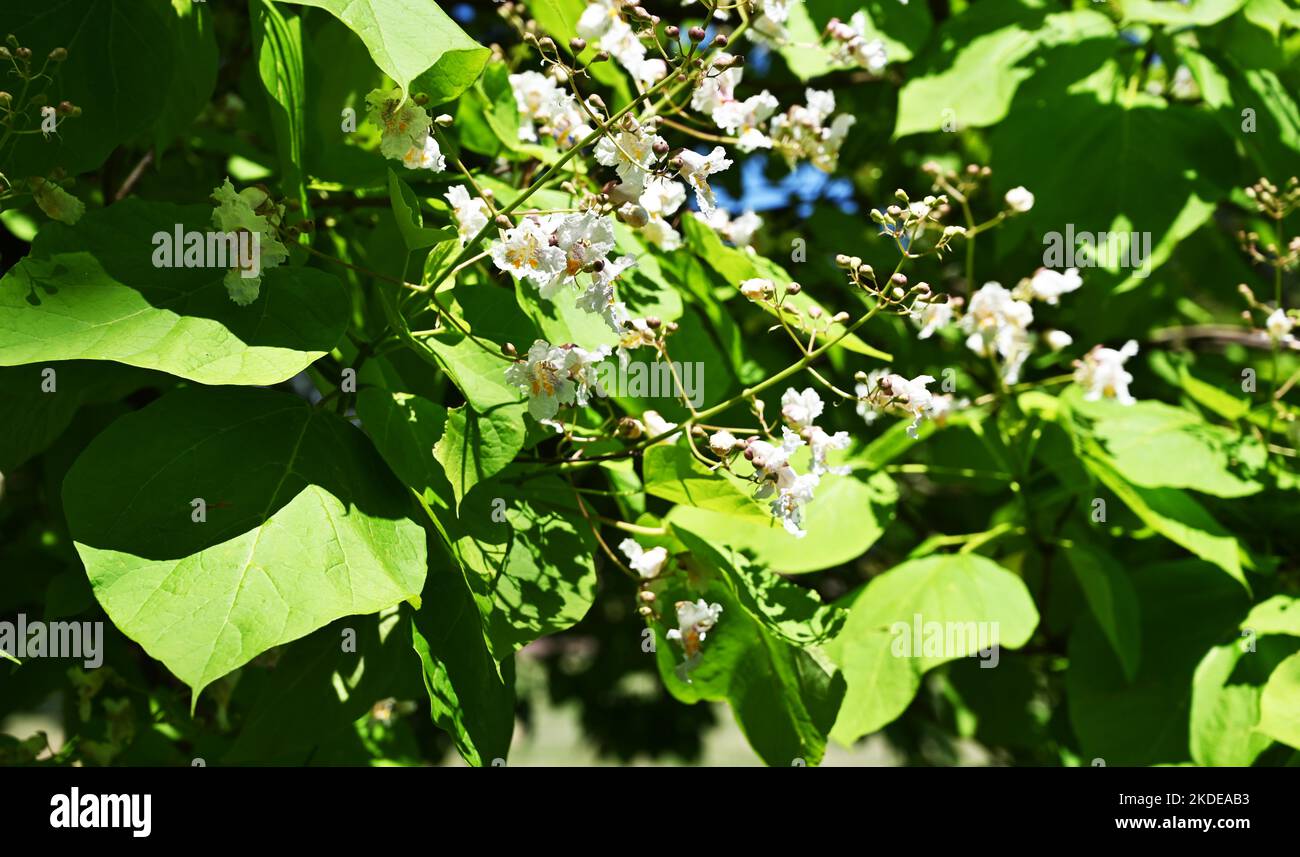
[(412, 39), (206, 596), (92, 292), (879, 650)]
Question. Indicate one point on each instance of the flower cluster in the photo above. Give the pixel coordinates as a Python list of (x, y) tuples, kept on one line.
[(556, 376), (852, 47), (603, 24), (694, 621), (552, 251), (249, 210), (547, 109)]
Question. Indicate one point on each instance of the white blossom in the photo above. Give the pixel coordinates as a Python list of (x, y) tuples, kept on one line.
[(694, 621), (757, 288), (1101, 373), (657, 425), (526, 252), (630, 151), (661, 199), (1058, 340), (997, 323), (913, 397), (1048, 285), (853, 47), (931, 315), (647, 563), (470, 213), (738, 231), (697, 168), (1019, 200), (1279, 325), (800, 409), (788, 504), (723, 443)]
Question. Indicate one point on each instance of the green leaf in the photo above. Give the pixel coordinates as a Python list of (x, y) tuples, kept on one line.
[(319, 686), (784, 696), (477, 446), (277, 44), (793, 613), (1226, 691), (1176, 516), (191, 84), (1198, 13), (671, 472), (119, 67), (1155, 445), (843, 520), (471, 696), (1145, 721), (979, 61), (91, 292), (1148, 143), (410, 220), (1279, 705), (414, 42), (207, 597), (39, 402), (1113, 603), (974, 602)]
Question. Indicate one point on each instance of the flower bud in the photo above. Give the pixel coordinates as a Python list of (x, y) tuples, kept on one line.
[(23, 53), (577, 44), (58, 54), (841, 260), (646, 610), (503, 222), (421, 99), (793, 289), (443, 120), (601, 56), (661, 147), (899, 279), (633, 215), (646, 595), (546, 43), (719, 41), (509, 350), (653, 322), (671, 327), (672, 31), (696, 34)]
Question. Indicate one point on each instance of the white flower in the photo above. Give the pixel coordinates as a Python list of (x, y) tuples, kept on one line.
[(723, 443), (630, 151), (600, 297), (657, 425), (801, 132), (913, 397), (470, 212), (998, 324), (1058, 340), (544, 106), (402, 128), (544, 377), (820, 444), (1279, 325), (697, 168), (694, 621), (772, 463), (744, 119), (426, 157), (867, 393), (1101, 373), (1019, 200), (661, 199), (756, 288), (1048, 285), (931, 315), (770, 17), (526, 252), (854, 47), (787, 507), (739, 231), (799, 409), (717, 85), (647, 563), (584, 238)]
